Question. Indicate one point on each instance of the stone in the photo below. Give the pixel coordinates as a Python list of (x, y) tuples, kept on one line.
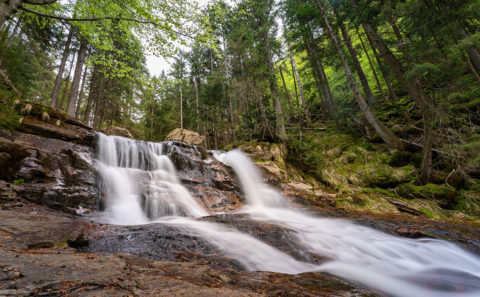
[(53, 172), (186, 136), (117, 131), (207, 179)]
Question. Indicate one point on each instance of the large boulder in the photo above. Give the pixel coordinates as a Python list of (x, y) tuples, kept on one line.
[(117, 131), (207, 179), (186, 136), (47, 171)]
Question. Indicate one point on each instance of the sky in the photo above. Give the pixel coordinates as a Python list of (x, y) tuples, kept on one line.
[(156, 65)]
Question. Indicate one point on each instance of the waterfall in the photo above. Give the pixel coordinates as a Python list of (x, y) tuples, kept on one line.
[(398, 266), (141, 186), (140, 182)]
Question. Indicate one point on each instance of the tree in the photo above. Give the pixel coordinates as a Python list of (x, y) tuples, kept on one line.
[(386, 134), (58, 80), (72, 101)]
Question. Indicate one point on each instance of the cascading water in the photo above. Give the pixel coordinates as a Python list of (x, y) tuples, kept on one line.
[(398, 266), (140, 183), (141, 186)]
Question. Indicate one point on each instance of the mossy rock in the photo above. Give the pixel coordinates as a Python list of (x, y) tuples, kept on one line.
[(384, 176), (444, 195)]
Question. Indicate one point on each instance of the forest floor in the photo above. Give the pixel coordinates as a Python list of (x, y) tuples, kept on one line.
[(351, 173)]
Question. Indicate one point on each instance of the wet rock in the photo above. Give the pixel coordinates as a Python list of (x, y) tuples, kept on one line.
[(186, 136), (158, 242), (49, 171), (410, 232), (207, 179), (280, 237), (117, 131), (37, 228)]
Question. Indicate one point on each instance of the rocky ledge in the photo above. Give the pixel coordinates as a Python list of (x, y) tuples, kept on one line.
[(48, 253)]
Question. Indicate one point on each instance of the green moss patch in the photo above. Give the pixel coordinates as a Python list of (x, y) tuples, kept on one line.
[(446, 196)]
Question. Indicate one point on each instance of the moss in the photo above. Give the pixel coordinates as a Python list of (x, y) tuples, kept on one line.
[(9, 118), (445, 195), (378, 190), (469, 202), (428, 213)]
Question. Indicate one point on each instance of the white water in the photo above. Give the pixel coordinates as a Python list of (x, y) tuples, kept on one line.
[(140, 183), (397, 266)]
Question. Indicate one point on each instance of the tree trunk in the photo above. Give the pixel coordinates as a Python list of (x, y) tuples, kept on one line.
[(8, 8), (295, 85), (262, 110), (379, 86), (197, 120), (356, 63), (80, 95), (325, 88), (388, 137), (104, 105), (232, 118), (6, 80), (391, 91), (181, 107), (287, 92), (98, 100), (151, 119), (416, 91), (58, 80), (72, 102), (14, 32), (279, 116), (471, 51), (91, 92), (300, 90), (6, 30), (67, 81)]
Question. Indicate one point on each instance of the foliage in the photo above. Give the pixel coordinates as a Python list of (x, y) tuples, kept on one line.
[(19, 181)]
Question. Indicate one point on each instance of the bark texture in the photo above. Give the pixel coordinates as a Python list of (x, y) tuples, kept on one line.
[(72, 102), (58, 80)]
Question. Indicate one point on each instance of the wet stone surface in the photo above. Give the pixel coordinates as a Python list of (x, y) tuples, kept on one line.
[(38, 260)]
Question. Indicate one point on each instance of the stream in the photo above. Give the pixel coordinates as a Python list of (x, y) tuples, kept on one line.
[(141, 187)]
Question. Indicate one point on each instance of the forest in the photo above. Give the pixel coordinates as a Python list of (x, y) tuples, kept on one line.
[(240, 148), (404, 75)]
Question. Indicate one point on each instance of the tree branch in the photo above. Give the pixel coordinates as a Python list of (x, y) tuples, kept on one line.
[(94, 19), (39, 2)]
